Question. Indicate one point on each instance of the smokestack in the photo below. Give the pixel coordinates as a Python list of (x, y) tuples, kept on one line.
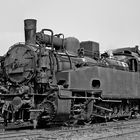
[(30, 31)]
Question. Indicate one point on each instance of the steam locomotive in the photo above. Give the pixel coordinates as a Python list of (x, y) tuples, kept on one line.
[(52, 79)]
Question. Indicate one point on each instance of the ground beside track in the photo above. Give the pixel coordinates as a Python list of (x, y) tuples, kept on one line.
[(123, 130)]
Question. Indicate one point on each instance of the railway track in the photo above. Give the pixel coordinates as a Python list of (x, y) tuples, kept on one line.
[(94, 132), (120, 131), (19, 135)]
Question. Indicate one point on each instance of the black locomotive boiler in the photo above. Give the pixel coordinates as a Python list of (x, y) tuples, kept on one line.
[(53, 79)]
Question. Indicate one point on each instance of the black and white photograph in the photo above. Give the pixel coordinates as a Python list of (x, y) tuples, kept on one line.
[(69, 69)]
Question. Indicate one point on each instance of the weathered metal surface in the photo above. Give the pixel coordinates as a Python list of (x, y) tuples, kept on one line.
[(71, 44), (91, 49), (53, 79), (63, 108), (30, 31), (114, 83), (20, 63)]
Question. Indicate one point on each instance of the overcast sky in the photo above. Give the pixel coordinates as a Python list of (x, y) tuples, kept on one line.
[(112, 23)]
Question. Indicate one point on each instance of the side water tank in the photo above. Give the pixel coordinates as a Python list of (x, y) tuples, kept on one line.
[(91, 49)]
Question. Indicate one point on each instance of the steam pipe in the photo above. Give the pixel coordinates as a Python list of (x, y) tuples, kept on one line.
[(44, 38)]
